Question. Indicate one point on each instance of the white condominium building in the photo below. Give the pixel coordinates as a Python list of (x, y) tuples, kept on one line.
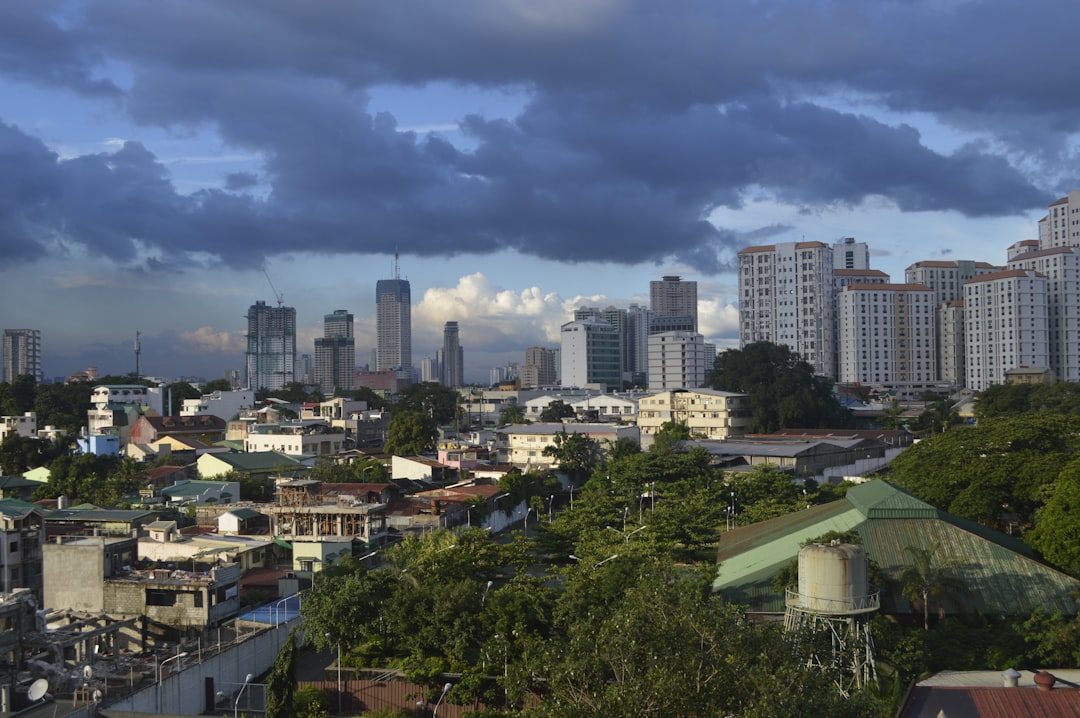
[(887, 334), (1061, 225), (1005, 324), (1061, 267), (787, 296), (677, 360), (590, 355)]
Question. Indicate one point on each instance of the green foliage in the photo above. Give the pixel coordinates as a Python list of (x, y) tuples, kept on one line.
[(311, 702), (1057, 531), (281, 683), (293, 392), (19, 454), (1012, 400), (512, 414), (576, 453), (216, 385), (430, 399), (621, 448), (178, 391), (782, 389), (668, 437), (556, 411), (410, 433), (929, 578)]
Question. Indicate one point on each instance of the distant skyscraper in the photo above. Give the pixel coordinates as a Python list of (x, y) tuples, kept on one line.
[(393, 320), (672, 298), (271, 346), (22, 353), (335, 353), (539, 367), (677, 360), (590, 355), (452, 356)]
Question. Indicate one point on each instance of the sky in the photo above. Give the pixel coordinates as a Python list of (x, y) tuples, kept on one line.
[(163, 165)]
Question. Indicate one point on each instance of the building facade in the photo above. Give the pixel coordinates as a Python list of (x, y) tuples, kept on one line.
[(1061, 267), (22, 354), (393, 325), (539, 367), (453, 356), (1005, 325), (787, 296), (271, 346), (1061, 225), (887, 335), (706, 412), (677, 360), (335, 353), (590, 355), (671, 297)]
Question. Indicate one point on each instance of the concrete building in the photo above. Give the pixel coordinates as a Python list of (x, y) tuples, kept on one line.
[(1061, 225), (1006, 325), (677, 360), (706, 412), (787, 296), (206, 428), (393, 324), (590, 352), (22, 354), (453, 357), (522, 445), (952, 368), (673, 299), (539, 367), (638, 327), (294, 439), (887, 335), (851, 255), (24, 426), (223, 404), (335, 353), (271, 346), (23, 533), (1061, 267)]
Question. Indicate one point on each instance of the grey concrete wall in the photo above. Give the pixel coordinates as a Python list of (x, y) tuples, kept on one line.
[(73, 576)]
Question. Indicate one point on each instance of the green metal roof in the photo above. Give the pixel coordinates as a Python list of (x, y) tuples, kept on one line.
[(257, 460), (1003, 575), (17, 508)]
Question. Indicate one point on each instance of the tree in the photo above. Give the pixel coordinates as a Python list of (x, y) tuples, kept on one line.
[(556, 411), (1057, 532), (178, 391), (512, 414), (410, 433), (281, 684), (669, 436), (782, 389), (374, 400), (216, 385), (927, 579), (435, 400), (576, 453)]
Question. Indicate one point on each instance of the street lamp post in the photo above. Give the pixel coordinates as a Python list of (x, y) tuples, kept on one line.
[(160, 670), (236, 703), (445, 690), (338, 674)]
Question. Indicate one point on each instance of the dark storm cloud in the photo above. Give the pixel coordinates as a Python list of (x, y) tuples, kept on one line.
[(640, 120)]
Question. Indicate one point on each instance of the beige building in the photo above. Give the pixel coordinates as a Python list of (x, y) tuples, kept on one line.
[(887, 334), (706, 412), (787, 296), (1061, 225), (677, 360), (1061, 266), (522, 445)]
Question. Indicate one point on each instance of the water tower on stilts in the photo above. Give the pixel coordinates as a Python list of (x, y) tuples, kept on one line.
[(834, 597)]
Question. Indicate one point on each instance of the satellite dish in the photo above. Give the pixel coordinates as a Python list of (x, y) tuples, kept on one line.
[(88, 671), (98, 695), (38, 689)]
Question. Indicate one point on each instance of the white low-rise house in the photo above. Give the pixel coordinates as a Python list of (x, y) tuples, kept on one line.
[(24, 425), (223, 404), (522, 445), (294, 439), (606, 407), (165, 543), (706, 412)]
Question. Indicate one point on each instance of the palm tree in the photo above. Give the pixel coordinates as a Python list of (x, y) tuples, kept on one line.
[(927, 579)]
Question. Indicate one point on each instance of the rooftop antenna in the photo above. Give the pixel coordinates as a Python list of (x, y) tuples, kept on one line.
[(277, 295), (138, 352), (397, 274)]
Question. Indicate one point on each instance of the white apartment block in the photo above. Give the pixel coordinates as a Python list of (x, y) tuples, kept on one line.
[(24, 425), (522, 445), (591, 355), (787, 296), (1061, 225), (293, 439), (1006, 325), (1061, 267), (887, 334), (677, 360), (706, 412), (951, 346), (223, 404), (849, 254), (846, 277)]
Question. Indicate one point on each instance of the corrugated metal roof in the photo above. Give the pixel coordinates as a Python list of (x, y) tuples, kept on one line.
[(1002, 574)]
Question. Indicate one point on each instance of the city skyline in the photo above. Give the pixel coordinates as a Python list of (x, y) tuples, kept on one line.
[(523, 160)]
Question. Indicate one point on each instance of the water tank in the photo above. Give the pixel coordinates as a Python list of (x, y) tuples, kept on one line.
[(832, 577)]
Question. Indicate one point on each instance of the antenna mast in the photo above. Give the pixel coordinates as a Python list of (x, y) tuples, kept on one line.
[(397, 274), (138, 352)]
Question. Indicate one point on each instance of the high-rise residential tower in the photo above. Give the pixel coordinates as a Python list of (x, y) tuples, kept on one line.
[(393, 323), (335, 353), (1061, 267), (271, 346), (453, 373), (590, 355), (1005, 325), (674, 305), (677, 360), (22, 353), (539, 367)]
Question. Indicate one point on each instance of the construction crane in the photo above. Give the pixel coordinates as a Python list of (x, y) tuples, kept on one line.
[(277, 295)]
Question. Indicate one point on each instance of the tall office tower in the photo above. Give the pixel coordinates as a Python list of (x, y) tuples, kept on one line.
[(1061, 225), (22, 353), (590, 355), (453, 368), (619, 319), (429, 370), (947, 279), (271, 346), (787, 296), (1005, 325), (393, 323), (674, 304), (638, 321), (887, 334), (849, 254), (305, 369), (588, 314), (539, 367), (1061, 267), (335, 353), (677, 360)]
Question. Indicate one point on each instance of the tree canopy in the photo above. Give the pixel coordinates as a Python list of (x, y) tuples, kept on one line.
[(781, 387), (410, 433), (431, 398), (557, 410)]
